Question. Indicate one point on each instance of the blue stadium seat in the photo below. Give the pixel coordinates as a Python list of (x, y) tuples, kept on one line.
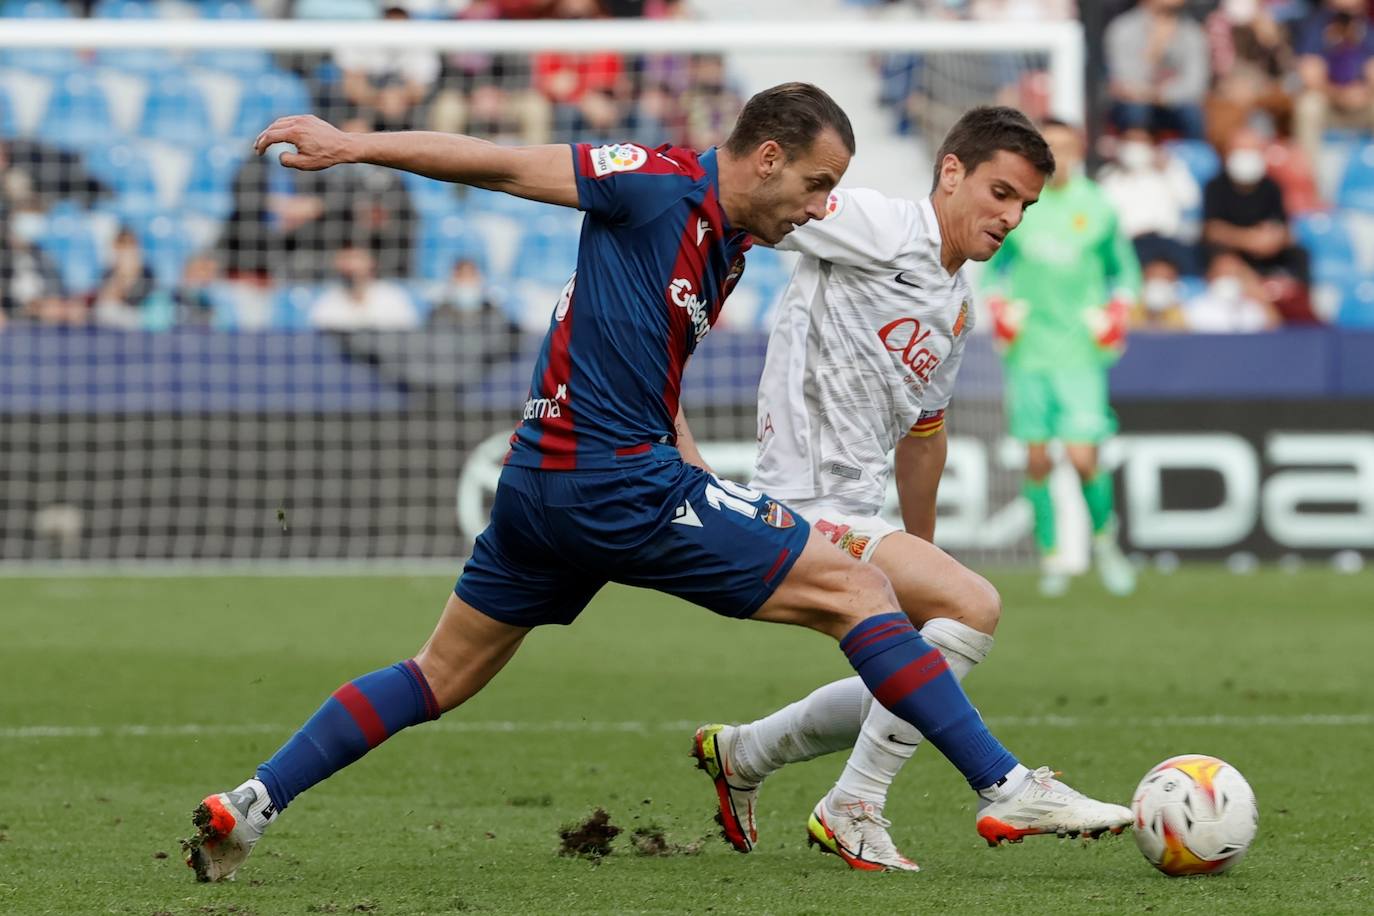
[(167, 244), (209, 190), (51, 61), (229, 9), (8, 126), (1357, 305), (1328, 241), (1356, 191), (126, 169), (78, 113), (47, 61), (431, 197), (444, 240), (71, 241), (175, 112), (243, 61), (125, 9), (548, 252), (291, 307), (34, 9), (1198, 156), (266, 98)]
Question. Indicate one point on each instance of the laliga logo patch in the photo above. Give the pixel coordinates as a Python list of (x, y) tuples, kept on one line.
[(618, 157), (833, 204), (777, 516), (962, 319)]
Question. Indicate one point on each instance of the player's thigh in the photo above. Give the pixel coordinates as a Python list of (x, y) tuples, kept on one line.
[(715, 543), (1029, 405), (516, 575), (1083, 413), (929, 583), (828, 590)]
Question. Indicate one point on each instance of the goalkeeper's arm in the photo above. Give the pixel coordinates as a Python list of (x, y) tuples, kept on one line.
[(543, 173)]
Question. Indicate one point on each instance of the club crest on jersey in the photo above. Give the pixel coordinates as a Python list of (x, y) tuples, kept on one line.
[(962, 319), (777, 516), (617, 157)]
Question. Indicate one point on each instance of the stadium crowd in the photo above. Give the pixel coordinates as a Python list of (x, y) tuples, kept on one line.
[(1235, 144)]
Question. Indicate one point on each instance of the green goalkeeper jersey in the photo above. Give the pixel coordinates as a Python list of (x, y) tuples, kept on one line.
[(1066, 258)]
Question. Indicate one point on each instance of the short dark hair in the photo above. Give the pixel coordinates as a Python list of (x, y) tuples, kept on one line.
[(984, 131), (793, 115)]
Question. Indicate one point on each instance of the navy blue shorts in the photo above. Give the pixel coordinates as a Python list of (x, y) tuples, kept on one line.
[(556, 537)]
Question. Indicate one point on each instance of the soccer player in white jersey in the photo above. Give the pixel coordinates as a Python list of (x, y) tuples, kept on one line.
[(861, 364)]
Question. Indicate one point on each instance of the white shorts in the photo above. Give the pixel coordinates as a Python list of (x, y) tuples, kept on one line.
[(856, 535)]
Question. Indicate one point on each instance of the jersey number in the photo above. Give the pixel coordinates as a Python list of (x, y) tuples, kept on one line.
[(730, 495)]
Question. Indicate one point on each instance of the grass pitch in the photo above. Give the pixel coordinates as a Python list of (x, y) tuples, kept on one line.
[(124, 701)]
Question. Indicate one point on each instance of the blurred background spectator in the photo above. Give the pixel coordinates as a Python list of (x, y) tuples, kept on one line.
[(1244, 216), (1153, 191), (1335, 46), (387, 87), (356, 300), (1158, 68), (126, 287)]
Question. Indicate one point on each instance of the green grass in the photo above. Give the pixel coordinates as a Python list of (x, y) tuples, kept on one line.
[(462, 816)]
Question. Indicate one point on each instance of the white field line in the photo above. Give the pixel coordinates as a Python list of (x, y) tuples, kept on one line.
[(29, 732)]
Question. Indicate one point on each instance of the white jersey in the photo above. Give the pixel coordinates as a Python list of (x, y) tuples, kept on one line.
[(868, 339)]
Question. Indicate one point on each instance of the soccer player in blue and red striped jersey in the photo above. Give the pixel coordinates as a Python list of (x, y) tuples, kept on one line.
[(596, 488)]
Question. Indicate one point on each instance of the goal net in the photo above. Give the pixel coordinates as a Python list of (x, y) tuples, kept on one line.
[(205, 356)]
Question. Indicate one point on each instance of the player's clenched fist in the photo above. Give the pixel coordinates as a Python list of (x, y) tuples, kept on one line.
[(1008, 317), (318, 143)]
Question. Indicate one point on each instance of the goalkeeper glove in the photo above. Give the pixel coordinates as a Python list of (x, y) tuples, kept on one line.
[(1008, 317), (1108, 324)]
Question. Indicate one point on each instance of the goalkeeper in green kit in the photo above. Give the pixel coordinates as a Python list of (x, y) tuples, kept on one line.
[(1060, 289)]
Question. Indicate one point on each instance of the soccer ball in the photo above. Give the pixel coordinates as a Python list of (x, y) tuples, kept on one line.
[(1194, 815)]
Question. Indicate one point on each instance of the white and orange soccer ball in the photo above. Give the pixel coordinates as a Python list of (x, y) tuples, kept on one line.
[(1194, 815)]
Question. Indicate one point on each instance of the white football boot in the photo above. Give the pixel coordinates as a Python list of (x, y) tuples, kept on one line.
[(857, 833), (1041, 804), (713, 747), (1113, 568), (228, 826)]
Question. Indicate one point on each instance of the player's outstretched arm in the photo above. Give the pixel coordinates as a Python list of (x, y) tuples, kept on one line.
[(918, 464), (543, 173)]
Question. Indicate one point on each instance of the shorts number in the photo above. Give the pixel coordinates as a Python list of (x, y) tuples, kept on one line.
[(732, 496)]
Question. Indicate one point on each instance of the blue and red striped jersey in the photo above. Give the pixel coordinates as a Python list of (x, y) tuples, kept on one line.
[(655, 262)]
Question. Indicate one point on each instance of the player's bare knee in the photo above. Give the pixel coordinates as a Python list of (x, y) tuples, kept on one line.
[(1038, 466), (984, 609), (872, 590)]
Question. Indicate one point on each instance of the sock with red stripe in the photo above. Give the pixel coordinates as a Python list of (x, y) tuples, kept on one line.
[(358, 716), (912, 679)]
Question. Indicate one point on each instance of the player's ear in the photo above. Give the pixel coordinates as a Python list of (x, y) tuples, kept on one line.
[(951, 173), (770, 158)]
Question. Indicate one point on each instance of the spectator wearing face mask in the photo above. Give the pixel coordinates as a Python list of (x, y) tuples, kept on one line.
[(1244, 218), (358, 301), (1152, 191), (1158, 68), (467, 305), (1336, 63), (1234, 302)]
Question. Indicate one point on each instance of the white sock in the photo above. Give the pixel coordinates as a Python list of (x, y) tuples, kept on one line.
[(886, 742), (824, 722), (1002, 787)]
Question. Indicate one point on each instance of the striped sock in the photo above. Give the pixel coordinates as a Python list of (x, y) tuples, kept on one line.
[(912, 679), (358, 716)]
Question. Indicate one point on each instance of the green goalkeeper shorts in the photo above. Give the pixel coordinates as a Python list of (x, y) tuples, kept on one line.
[(1065, 404)]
